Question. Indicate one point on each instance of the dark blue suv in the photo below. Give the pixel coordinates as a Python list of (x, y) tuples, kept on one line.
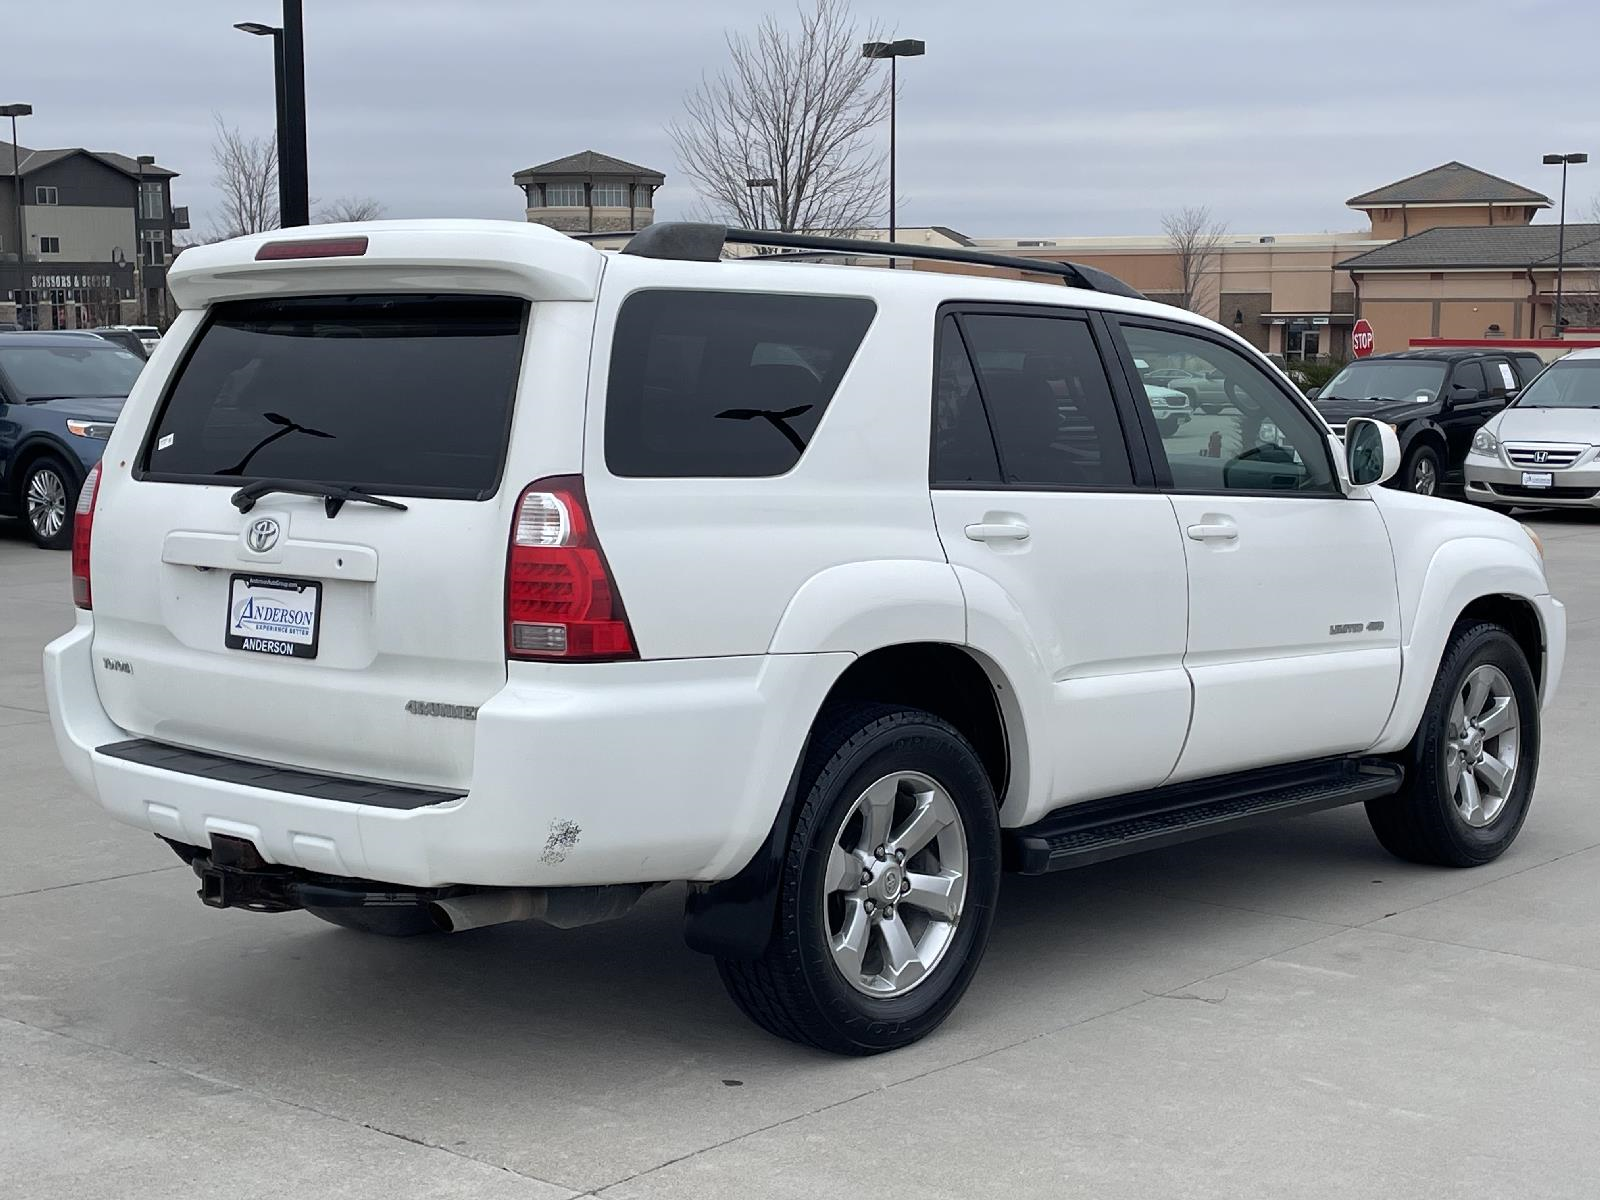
[(59, 396)]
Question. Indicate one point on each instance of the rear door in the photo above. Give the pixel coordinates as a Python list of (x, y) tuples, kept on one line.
[(1035, 492), (353, 639)]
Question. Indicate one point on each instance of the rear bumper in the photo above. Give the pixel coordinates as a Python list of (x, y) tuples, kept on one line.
[(583, 774)]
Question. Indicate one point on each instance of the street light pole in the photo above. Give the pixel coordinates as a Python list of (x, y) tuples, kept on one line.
[(1563, 160), (14, 111), (904, 48), (298, 209), (280, 99)]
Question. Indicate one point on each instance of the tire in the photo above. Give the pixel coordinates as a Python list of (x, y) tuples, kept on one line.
[(46, 502), (865, 760), (1422, 471), (405, 921), (1425, 822)]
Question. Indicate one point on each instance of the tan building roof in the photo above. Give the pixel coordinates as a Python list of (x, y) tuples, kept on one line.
[(589, 162), (1449, 183), (1486, 246)]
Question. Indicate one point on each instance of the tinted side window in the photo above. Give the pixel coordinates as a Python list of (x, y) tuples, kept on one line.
[(963, 447), (1468, 375), (1241, 433), (724, 383), (1048, 401), (1499, 375)]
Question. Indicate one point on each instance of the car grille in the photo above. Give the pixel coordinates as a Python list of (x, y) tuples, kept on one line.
[(1514, 492), (1543, 454)]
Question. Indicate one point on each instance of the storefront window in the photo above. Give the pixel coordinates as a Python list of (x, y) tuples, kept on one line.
[(1301, 342)]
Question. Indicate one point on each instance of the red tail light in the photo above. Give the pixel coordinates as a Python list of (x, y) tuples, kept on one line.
[(561, 602), (82, 526)]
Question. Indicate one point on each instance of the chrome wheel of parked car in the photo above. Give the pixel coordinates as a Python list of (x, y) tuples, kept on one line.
[(48, 498), (1481, 751), (1423, 478), (896, 883), (47, 502)]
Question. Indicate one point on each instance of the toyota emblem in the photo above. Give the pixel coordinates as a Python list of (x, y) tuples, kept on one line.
[(262, 535)]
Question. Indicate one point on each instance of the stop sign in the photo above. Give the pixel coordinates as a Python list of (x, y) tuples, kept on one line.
[(1361, 338)]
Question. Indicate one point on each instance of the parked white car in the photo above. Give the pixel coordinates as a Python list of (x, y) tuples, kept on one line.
[(1544, 449), (442, 573)]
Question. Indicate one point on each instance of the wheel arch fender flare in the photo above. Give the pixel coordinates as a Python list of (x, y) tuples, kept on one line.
[(859, 608), (1460, 572), (31, 448), (863, 606), (1423, 430)]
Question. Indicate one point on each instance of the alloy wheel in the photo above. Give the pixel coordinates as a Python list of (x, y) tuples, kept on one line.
[(1424, 477), (46, 502), (1481, 745), (895, 885)]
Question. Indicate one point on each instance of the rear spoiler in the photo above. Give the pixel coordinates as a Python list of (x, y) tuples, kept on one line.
[(503, 257)]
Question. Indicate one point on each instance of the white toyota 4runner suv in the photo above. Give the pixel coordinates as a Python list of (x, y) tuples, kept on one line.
[(444, 573)]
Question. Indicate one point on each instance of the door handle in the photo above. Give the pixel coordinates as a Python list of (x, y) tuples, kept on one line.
[(1222, 531), (1003, 531)]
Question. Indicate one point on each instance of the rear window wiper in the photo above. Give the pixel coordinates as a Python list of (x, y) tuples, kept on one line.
[(334, 494)]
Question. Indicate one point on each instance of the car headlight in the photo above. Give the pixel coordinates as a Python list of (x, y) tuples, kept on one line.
[(98, 430), (1484, 442)]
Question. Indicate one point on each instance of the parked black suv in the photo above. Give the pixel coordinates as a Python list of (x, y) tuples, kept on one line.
[(1435, 399)]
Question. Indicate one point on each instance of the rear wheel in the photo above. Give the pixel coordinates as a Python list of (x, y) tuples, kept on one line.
[(1421, 471), (888, 889), (1473, 763), (48, 498), (403, 921)]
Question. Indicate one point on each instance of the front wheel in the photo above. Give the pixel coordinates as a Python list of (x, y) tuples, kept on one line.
[(48, 499), (1420, 473), (888, 889), (1470, 779)]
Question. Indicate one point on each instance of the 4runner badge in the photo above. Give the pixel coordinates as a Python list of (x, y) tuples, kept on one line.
[(432, 708)]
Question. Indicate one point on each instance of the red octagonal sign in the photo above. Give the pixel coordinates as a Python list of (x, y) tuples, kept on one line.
[(1361, 338)]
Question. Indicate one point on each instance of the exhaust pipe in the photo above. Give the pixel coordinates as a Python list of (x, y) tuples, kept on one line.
[(564, 908)]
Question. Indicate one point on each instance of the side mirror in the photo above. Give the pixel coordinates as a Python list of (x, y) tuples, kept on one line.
[(1460, 391), (1511, 394), (1371, 451), (1313, 393)]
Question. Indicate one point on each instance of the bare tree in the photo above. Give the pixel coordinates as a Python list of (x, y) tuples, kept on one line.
[(247, 178), (1195, 239), (794, 106), (350, 208)]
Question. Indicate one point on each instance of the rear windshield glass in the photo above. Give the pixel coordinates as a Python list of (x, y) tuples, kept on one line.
[(405, 394), (724, 383)]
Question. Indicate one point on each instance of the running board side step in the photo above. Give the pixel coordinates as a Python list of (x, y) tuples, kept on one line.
[(1097, 830)]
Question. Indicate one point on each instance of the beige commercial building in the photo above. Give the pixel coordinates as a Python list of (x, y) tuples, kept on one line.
[(1449, 253)]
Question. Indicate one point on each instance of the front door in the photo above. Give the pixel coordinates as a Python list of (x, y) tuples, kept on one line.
[(1474, 394), (1069, 557), (1294, 631)]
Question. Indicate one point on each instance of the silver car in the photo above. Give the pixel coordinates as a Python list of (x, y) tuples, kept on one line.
[(1544, 450)]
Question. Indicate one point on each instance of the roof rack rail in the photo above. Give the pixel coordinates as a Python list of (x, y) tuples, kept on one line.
[(696, 242)]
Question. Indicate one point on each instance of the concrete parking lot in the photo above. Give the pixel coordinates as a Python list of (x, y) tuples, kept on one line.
[(1286, 1012)]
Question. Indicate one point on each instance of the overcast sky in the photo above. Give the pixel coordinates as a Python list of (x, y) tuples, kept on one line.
[(1026, 117)]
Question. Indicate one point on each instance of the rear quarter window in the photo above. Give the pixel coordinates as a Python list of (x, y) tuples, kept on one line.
[(410, 395), (727, 384)]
